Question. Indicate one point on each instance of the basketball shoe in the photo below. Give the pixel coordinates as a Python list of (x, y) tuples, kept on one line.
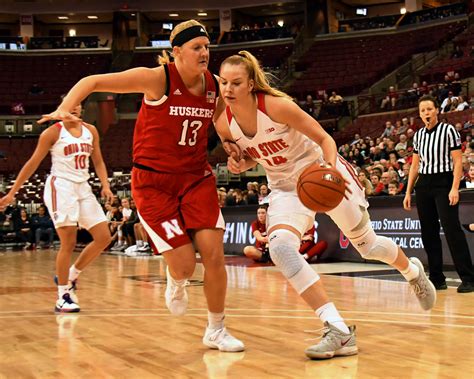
[(222, 340), (66, 305), (175, 295), (333, 343), (71, 289), (424, 290)]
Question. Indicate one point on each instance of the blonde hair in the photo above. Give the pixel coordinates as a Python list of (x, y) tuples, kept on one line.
[(255, 72), (164, 58)]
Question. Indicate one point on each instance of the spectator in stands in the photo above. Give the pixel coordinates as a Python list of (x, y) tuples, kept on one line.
[(309, 107), (402, 144), (129, 220), (239, 198), (391, 98), (462, 104), (335, 98), (366, 183), (393, 188), (18, 109), (24, 229), (385, 180), (263, 193), (388, 131), (379, 188), (43, 227), (259, 252), (410, 134), (115, 220), (446, 104), (222, 195)]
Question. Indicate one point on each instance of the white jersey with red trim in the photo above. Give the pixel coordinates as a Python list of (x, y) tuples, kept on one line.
[(282, 151), (70, 155)]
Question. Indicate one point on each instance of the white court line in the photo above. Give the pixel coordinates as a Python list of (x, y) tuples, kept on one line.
[(241, 316), (388, 313)]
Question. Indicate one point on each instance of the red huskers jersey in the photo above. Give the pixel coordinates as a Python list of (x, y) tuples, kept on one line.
[(171, 133), (262, 228)]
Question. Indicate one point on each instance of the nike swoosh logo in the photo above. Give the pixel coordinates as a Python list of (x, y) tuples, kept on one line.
[(238, 139), (345, 342)]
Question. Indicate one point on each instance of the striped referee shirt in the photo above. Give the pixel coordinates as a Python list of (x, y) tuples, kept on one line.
[(434, 148)]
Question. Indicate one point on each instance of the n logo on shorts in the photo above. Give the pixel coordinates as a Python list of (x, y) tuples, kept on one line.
[(172, 229)]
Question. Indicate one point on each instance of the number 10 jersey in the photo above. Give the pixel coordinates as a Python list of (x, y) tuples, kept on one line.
[(70, 155)]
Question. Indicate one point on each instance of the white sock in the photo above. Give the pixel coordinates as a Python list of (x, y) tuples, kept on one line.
[(62, 290), (139, 243), (329, 313), (411, 272), (215, 320), (73, 273)]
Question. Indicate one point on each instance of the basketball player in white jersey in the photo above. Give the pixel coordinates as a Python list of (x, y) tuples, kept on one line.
[(69, 198), (263, 125)]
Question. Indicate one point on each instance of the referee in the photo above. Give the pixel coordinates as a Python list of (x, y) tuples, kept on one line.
[(437, 166)]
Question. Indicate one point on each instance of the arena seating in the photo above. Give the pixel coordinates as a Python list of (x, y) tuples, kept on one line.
[(350, 65), (55, 74)]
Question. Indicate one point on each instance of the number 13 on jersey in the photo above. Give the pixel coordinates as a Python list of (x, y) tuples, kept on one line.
[(190, 138)]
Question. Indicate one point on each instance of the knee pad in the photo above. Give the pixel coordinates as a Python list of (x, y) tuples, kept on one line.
[(284, 251), (371, 246)]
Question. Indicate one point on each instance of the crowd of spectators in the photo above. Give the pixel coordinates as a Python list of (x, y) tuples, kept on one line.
[(383, 163)]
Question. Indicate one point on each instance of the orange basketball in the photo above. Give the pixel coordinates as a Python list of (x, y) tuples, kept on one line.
[(320, 188)]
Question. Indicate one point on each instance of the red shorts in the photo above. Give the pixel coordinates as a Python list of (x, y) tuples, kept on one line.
[(169, 205)]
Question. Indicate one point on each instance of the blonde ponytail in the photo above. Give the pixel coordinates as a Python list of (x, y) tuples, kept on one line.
[(255, 72)]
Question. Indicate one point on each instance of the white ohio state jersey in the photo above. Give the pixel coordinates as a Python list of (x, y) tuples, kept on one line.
[(282, 151), (70, 155)]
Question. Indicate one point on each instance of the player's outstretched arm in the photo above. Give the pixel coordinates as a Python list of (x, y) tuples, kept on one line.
[(149, 81), (45, 141)]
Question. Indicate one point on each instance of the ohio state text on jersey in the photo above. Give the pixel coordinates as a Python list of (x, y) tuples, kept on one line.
[(282, 151), (70, 155)]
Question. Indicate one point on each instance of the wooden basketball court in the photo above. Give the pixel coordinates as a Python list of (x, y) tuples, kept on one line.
[(124, 329)]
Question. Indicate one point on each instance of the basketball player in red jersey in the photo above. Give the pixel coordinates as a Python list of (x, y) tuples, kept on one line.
[(69, 198), (172, 182), (263, 125), (259, 252)]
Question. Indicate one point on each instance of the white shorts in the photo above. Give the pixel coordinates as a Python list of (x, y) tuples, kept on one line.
[(286, 208), (71, 203)]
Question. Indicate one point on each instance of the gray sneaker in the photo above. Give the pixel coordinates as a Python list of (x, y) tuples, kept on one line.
[(424, 290), (333, 343)]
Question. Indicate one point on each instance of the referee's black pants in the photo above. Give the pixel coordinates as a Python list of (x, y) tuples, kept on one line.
[(433, 206)]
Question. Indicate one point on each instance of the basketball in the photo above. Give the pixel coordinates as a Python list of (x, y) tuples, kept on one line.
[(320, 188)]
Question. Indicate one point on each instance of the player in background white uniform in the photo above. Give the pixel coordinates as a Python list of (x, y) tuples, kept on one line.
[(262, 125), (69, 198)]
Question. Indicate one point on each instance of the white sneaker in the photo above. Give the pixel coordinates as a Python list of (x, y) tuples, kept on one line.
[(66, 305), (117, 246), (144, 248), (175, 295), (221, 339), (131, 251), (72, 287)]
